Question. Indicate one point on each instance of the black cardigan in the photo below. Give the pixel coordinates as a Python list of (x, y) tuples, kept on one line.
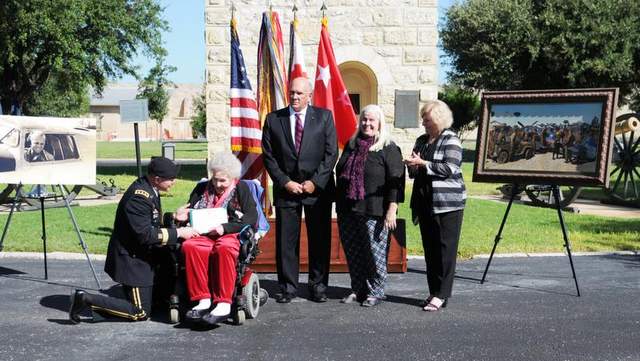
[(241, 212), (383, 181)]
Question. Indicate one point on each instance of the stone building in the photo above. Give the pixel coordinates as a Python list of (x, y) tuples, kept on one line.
[(386, 51), (176, 124)]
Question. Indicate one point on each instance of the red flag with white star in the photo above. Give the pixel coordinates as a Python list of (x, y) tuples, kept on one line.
[(329, 91)]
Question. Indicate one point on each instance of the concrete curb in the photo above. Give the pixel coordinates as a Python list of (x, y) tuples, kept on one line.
[(100, 257), (52, 255), (555, 254)]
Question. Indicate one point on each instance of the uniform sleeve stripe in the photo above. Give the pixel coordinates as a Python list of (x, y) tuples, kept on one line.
[(164, 236)]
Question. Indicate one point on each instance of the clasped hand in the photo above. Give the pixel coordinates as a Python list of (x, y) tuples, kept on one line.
[(307, 187)]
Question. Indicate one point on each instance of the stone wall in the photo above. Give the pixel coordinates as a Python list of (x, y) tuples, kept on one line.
[(396, 39)]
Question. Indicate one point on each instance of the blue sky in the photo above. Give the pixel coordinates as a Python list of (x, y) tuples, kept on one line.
[(527, 114), (185, 41)]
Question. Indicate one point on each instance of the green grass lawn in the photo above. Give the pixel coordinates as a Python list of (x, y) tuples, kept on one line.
[(528, 229), (127, 150)]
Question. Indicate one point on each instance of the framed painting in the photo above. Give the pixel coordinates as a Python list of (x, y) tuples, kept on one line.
[(561, 137)]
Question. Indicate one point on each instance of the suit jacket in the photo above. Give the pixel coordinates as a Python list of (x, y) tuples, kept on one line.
[(136, 230), (318, 155)]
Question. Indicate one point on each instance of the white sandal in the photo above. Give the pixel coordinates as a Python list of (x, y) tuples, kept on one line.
[(435, 304)]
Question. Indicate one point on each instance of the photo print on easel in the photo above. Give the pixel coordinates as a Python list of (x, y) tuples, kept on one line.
[(47, 150)]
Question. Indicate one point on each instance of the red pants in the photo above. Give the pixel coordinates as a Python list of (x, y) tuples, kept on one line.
[(211, 261)]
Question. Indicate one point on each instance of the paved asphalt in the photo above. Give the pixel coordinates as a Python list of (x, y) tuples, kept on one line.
[(527, 310)]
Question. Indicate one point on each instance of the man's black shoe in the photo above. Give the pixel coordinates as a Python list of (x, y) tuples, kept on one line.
[(319, 297), (77, 304), (284, 297)]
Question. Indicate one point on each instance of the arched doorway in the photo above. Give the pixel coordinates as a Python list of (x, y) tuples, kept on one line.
[(361, 84)]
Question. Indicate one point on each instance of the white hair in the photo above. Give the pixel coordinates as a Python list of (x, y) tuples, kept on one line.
[(225, 162), (382, 139), (37, 134)]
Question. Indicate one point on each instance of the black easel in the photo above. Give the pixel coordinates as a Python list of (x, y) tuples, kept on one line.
[(42, 196), (556, 195)]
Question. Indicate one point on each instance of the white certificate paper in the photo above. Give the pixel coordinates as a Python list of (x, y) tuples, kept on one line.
[(205, 219)]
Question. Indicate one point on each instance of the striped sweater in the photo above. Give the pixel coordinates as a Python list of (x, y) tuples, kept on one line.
[(441, 179)]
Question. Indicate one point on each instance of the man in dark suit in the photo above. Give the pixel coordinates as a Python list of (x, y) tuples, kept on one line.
[(137, 230), (299, 147)]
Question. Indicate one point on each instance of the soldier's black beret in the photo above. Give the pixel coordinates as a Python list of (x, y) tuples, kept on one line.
[(163, 167)]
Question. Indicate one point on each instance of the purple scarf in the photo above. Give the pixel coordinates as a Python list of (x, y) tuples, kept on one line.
[(353, 170)]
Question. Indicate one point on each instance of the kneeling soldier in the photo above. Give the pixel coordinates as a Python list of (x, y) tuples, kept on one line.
[(137, 230)]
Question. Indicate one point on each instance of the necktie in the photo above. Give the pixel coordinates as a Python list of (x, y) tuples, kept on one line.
[(299, 130)]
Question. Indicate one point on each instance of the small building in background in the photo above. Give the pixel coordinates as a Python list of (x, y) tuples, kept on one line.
[(176, 125)]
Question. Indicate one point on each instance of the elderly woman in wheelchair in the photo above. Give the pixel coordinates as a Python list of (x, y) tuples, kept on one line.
[(211, 259)]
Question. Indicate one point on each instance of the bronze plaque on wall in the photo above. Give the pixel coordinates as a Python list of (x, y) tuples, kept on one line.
[(406, 109)]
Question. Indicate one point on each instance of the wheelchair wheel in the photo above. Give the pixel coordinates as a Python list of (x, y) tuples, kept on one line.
[(239, 317), (252, 293)]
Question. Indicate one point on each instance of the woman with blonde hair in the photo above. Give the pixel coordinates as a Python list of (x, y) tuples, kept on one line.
[(370, 184), (438, 198)]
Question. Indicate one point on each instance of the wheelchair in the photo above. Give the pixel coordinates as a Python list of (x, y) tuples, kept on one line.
[(247, 298)]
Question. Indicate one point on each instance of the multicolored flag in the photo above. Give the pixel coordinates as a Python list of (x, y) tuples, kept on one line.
[(297, 68), (246, 129), (329, 91), (272, 79)]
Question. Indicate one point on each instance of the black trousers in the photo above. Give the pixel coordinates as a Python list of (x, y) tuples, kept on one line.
[(440, 235), (288, 224), (135, 304)]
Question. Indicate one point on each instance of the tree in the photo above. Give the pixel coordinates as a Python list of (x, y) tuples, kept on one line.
[(465, 106), (544, 44), (199, 120), (81, 42), (54, 100), (153, 87)]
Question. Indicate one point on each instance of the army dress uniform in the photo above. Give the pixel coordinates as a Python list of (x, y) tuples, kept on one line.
[(137, 231)]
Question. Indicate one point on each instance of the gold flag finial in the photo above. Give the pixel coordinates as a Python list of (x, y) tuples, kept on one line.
[(295, 14), (233, 14), (324, 21)]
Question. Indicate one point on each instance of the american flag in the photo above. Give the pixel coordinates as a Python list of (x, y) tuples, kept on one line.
[(246, 131)]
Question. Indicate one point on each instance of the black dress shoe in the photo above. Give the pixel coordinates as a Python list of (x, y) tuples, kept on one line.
[(195, 314), (214, 320), (77, 304), (284, 297), (319, 297)]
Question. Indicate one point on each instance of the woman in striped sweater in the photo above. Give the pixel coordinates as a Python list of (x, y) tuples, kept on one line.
[(438, 198)]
